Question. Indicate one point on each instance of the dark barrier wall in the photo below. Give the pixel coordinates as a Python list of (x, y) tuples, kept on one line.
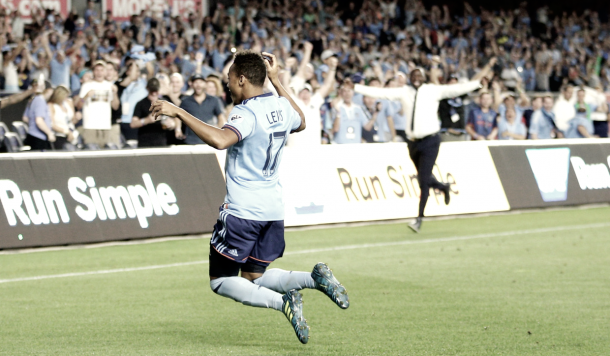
[(80, 198), (13, 112), (570, 174)]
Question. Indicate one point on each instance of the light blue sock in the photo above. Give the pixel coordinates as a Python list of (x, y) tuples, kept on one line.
[(282, 281), (242, 290)]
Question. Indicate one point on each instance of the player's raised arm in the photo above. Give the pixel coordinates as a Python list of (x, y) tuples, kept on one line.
[(218, 138), (272, 73)]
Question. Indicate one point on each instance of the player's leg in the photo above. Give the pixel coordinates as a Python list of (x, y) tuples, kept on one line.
[(230, 246), (226, 246), (269, 247), (427, 158), (224, 281)]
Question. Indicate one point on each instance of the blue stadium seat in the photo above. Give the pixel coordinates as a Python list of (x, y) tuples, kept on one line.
[(2, 132), (12, 142), (129, 144), (21, 129), (91, 147), (3, 129), (69, 147)]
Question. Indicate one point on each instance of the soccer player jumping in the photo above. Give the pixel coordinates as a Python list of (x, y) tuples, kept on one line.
[(249, 233)]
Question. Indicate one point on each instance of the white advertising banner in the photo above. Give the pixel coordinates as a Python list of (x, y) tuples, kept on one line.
[(27, 7), (346, 183), (123, 9)]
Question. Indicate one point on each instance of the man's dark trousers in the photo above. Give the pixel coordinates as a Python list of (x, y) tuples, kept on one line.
[(423, 153)]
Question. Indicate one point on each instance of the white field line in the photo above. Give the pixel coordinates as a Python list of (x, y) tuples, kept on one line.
[(327, 249)]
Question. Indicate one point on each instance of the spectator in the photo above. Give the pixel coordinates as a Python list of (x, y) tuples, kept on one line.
[(369, 39), (112, 75), (322, 71), (310, 103), (527, 114), (213, 87), (175, 96), (151, 133), (60, 64), (543, 124), (451, 112), (133, 90), (581, 104), (11, 78), (61, 110), (99, 97), (564, 110), (510, 76), (528, 76), (482, 121), (383, 129), (580, 126), (510, 128), (350, 119), (600, 115), (40, 135), (203, 107)]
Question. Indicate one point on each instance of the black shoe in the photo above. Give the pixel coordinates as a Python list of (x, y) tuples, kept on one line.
[(447, 191), (416, 225)]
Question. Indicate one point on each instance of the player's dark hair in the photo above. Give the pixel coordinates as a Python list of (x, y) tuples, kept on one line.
[(252, 66), (153, 85)]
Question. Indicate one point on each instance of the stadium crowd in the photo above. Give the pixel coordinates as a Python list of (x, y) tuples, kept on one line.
[(95, 78)]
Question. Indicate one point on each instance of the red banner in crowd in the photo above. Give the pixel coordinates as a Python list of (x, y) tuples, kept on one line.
[(123, 9), (26, 7)]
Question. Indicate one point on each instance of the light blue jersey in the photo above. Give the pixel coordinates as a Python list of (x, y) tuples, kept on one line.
[(382, 125), (400, 121), (352, 119), (262, 124)]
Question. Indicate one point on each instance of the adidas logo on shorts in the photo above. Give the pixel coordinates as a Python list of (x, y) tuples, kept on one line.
[(232, 252)]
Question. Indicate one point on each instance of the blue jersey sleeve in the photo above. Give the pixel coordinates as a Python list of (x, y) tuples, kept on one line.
[(241, 121)]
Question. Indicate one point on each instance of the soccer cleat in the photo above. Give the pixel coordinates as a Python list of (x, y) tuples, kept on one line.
[(447, 191), (416, 225), (293, 309), (329, 285)]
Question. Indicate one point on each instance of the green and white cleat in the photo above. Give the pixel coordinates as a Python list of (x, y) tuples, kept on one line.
[(293, 309), (329, 285)]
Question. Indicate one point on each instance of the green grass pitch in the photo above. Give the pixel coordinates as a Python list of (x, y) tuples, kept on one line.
[(517, 284)]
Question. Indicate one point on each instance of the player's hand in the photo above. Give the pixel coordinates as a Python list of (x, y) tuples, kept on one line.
[(162, 107), (51, 137), (272, 66), (493, 61)]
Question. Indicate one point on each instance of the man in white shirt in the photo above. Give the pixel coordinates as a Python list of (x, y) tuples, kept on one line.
[(99, 98), (420, 102), (564, 108), (310, 103)]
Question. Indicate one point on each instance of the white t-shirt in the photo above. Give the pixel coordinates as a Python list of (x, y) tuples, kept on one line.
[(311, 136), (97, 110)]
